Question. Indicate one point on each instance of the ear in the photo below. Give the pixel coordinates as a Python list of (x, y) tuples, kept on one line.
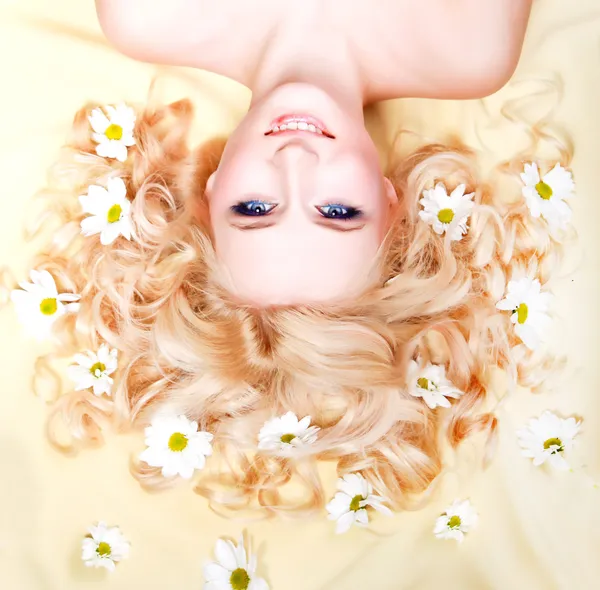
[(210, 183), (390, 191)]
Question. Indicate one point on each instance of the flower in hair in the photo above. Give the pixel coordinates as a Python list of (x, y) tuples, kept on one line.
[(94, 369), (104, 546), (176, 445), (430, 383), (234, 569), (350, 503), (447, 213), (39, 304), (285, 433), (546, 196), (528, 306), (113, 130), (109, 211), (459, 518), (548, 438)]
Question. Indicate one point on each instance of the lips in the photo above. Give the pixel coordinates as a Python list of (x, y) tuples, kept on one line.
[(303, 120)]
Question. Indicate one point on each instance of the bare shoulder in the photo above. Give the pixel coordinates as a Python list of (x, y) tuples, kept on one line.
[(176, 32), (460, 48)]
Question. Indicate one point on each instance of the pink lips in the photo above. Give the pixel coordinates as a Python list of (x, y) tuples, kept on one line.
[(308, 119)]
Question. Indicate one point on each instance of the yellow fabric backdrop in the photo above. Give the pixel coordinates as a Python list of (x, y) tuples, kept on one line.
[(537, 531)]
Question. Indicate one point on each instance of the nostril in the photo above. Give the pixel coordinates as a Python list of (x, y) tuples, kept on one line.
[(296, 149)]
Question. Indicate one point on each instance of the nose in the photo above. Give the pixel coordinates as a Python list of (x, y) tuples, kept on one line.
[(296, 162), (296, 151)]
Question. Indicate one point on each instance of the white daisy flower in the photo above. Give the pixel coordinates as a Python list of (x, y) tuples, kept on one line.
[(113, 130), (546, 197), (528, 306), (93, 370), (548, 438), (176, 445), (349, 505), (109, 209), (458, 519), (285, 433), (233, 570), (39, 304), (430, 383), (104, 546), (447, 213)]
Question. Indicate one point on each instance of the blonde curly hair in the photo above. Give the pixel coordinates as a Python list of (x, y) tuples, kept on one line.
[(186, 345)]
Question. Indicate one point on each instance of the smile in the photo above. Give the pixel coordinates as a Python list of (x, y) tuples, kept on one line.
[(298, 123)]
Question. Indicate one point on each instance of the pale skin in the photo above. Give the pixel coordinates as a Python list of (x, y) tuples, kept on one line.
[(327, 59)]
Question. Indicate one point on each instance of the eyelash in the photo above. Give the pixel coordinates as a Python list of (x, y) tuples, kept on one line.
[(347, 212), (250, 208), (262, 208)]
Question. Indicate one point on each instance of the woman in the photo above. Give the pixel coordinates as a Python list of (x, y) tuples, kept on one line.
[(294, 277), (316, 65)]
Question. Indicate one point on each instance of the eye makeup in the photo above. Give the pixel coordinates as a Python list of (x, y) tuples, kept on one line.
[(253, 208), (258, 208)]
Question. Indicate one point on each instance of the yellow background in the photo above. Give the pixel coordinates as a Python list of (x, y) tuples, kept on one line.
[(537, 531)]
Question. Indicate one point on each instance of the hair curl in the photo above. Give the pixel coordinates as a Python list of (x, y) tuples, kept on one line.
[(187, 345)]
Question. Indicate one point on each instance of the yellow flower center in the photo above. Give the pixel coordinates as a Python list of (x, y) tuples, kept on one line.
[(178, 442), (522, 313), (355, 503), (97, 367), (556, 442), (114, 131), (48, 306), (446, 215), (423, 383), (287, 438), (239, 580), (103, 549), (454, 522), (114, 213), (544, 190)]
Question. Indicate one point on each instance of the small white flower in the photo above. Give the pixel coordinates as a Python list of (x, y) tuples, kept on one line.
[(447, 213), (109, 209), (430, 383), (233, 570), (104, 546), (113, 131), (546, 197), (349, 505), (93, 370), (176, 445), (528, 306), (547, 438), (38, 304), (458, 519), (285, 433)]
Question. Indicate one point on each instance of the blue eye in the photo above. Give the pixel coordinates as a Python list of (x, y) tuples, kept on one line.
[(339, 212), (253, 208)]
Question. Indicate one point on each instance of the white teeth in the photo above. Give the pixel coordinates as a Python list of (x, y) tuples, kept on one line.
[(297, 125)]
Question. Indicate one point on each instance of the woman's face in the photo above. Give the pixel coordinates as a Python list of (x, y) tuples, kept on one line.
[(298, 216)]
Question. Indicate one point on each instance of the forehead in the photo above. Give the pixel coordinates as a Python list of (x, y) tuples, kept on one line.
[(272, 266)]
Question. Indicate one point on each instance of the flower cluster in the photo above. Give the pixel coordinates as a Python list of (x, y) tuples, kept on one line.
[(545, 197), (178, 446)]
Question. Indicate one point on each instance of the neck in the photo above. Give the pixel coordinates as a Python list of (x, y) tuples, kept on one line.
[(325, 62)]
